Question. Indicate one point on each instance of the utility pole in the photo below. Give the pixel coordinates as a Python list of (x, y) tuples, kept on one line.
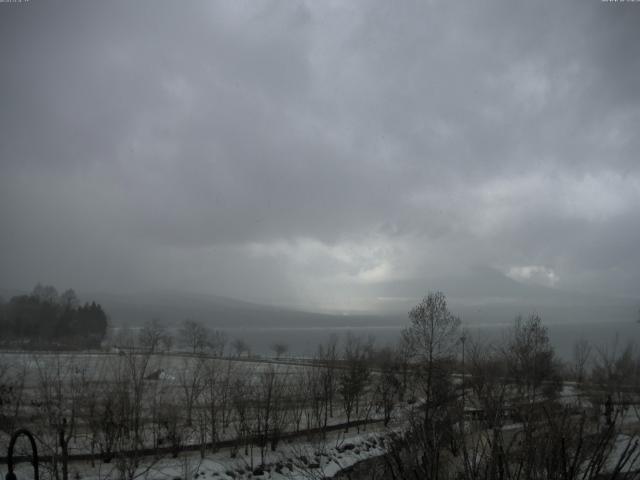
[(463, 339)]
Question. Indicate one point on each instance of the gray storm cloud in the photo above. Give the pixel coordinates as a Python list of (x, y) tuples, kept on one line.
[(319, 153)]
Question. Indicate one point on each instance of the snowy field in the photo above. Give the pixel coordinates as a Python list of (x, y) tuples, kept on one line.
[(181, 403), (185, 402)]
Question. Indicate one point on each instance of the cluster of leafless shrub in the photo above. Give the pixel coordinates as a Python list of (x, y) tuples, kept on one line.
[(128, 409), (454, 406), (514, 411)]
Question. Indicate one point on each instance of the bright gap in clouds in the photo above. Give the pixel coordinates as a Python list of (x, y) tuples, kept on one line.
[(536, 274)]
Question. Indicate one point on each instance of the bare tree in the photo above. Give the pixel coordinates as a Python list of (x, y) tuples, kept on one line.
[(240, 346), (387, 384), (12, 383), (484, 446), (107, 418), (616, 380), (327, 357), (299, 394), (269, 411), (403, 356), (532, 363), (124, 338), (312, 398), (432, 338), (45, 293), (225, 393), (194, 336), (581, 357), (212, 398), (354, 376), (191, 381), (279, 349), (153, 335), (218, 342), (97, 385), (170, 426), (132, 393), (69, 299), (241, 401), (60, 382)]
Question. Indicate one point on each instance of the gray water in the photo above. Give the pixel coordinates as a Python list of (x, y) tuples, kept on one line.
[(303, 341)]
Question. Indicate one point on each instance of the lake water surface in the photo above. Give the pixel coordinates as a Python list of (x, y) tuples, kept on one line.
[(303, 341)]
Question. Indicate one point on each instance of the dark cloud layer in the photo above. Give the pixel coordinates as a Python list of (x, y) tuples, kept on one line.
[(310, 153)]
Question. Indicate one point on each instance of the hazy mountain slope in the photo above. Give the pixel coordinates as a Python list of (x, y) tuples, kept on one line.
[(222, 312), (481, 296)]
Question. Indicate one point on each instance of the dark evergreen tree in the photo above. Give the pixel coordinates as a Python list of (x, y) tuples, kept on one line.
[(44, 319)]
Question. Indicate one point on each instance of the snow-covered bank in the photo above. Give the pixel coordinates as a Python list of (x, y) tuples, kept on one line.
[(293, 460)]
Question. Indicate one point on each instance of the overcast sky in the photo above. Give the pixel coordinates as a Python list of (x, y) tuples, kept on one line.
[(329, 155)]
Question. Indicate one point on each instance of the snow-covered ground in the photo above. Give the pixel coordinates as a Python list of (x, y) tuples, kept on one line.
[(297, 460)]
